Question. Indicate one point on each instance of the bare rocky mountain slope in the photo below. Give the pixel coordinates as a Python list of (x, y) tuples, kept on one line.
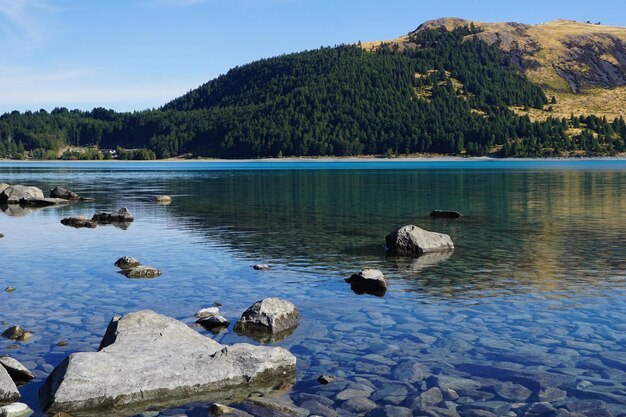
[(582, 64)]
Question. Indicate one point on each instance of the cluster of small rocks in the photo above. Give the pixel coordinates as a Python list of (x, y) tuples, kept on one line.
[(132, 268)]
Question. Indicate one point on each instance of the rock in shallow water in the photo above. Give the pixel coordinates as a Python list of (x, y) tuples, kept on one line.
[(412, 240), (370, 281), (17, 333), (79, 222), (13, 194), (15, 410), (132, 268), (64, 193), (147, 358), (123, 215), (127, 262), (16, 370), (271, 315), (445, 214), (8, 390)]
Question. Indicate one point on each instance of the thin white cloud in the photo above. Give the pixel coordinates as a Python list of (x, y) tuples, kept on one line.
[(21, 20)]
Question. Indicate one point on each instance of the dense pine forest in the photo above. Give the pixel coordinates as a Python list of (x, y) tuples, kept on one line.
[(441, 94)]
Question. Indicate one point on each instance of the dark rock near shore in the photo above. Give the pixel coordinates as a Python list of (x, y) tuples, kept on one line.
[(123, 215), (445, 214), (147, 359), (60, 192), (326, 379), (412, 240), (79, 222), (370, 281), (213, 322), (42, 202), (271, 316)]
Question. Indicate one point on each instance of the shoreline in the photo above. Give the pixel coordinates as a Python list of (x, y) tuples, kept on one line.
[(350, 159)]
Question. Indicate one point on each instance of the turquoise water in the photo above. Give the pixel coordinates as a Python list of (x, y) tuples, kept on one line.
[(536, 283)]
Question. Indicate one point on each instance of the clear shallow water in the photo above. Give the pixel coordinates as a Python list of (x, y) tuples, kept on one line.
[(537, 281)]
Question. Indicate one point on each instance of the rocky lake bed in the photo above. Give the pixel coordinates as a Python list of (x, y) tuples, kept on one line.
[(513, 308)]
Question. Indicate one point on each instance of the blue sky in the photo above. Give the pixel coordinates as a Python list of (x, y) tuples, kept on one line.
[(137, 54)]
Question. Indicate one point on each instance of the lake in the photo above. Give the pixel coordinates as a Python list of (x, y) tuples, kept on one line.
[(535, 287)]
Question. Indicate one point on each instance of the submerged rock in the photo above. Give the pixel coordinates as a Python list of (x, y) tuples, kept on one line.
[(326, 379), (79, 222), (370, 281), (141, 271), (10, 289), (17, 333), (148, 359), (162, 199), (445, 214), (412, 240), (14, 193), (123, 215), (8, 390), (268, 316), (262, 267), (16, 370)]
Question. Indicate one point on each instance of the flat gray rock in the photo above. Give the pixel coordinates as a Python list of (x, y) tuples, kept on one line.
[(14, 193), (8, 390), (412, 240), (16, 370), (148, 359)]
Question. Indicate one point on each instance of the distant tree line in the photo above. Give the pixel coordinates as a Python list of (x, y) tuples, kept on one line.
[(440, 94)]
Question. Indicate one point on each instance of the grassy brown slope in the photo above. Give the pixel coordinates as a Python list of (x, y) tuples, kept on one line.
[(583, 65)]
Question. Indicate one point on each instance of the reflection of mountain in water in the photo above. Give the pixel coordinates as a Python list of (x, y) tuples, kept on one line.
[(545, 229)]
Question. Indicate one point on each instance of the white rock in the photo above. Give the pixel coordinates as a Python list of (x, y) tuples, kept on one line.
[(16, 370), (15, 410), (208, 312)]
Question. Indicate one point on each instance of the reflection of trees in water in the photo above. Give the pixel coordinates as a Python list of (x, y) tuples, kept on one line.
[(548, 230)]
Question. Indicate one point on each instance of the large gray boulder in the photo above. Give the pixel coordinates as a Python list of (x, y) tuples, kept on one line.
[(271, 315), (412, 240), (8, 390), (147, 359), (14, 193)]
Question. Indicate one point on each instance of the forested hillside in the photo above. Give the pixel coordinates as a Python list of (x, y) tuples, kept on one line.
[(442, 92)]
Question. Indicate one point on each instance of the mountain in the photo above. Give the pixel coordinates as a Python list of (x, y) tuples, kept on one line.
[(582, 64), (449, 87)]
